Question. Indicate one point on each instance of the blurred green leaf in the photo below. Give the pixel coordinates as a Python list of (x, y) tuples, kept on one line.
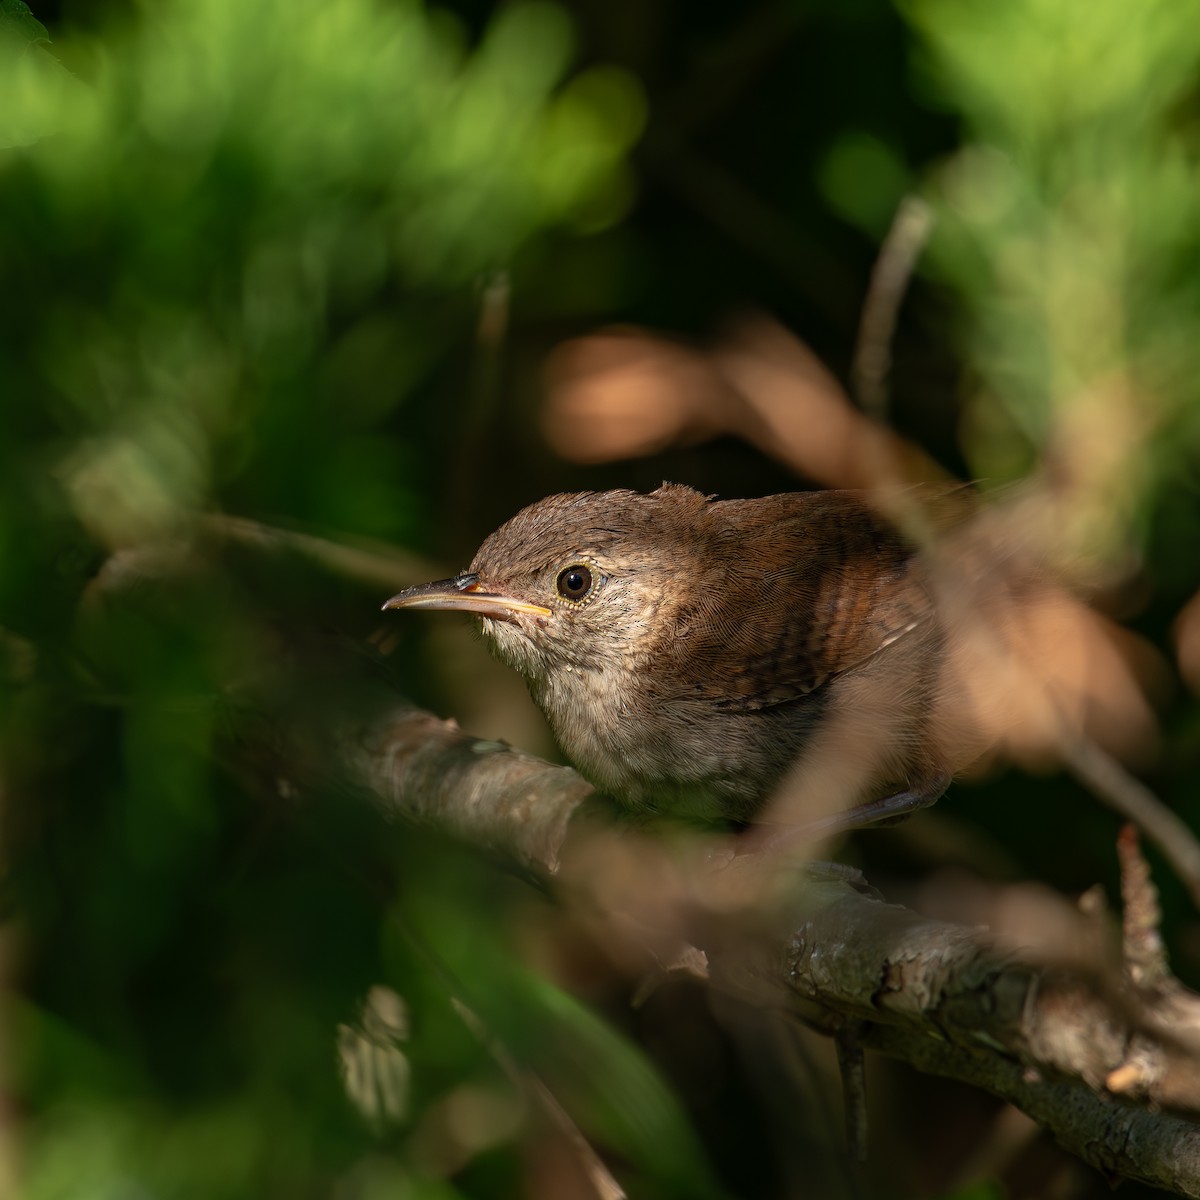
[(986, 1190), (17, 22), (865, 181), (610, 1088), (605, 1084)]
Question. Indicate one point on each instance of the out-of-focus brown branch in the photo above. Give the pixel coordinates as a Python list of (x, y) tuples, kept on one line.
[(624, 392), (946, 998), (1187, 642)]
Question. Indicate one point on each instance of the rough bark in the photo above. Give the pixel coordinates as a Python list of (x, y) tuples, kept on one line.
[(1088, 1053)]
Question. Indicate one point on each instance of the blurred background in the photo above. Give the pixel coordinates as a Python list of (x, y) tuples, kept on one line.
[(298, 301)]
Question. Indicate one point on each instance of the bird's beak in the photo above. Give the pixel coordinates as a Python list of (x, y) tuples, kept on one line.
[(464, 593)]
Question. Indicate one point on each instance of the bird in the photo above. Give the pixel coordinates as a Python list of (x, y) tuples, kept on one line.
[(699, 657)]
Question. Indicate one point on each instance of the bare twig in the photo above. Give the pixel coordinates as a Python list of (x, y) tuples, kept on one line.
[(1110, 782), (889, 280), (358, 558), (597, 1174), (853, 1070), (1143, 951)]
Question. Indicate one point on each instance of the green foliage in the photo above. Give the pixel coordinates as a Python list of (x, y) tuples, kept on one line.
[(32, 77), (242, 250), (864, 181), (19, 24), (217, 216), (978, 1191), (604, 1083), (1070, 226), (233, 250)]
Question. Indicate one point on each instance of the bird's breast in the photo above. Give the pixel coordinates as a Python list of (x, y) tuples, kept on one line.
[(654, 749)]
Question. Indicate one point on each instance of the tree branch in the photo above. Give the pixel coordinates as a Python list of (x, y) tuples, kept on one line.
[(1082, 1050)]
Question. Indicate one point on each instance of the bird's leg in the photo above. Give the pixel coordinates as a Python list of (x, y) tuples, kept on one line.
[(920, 793)]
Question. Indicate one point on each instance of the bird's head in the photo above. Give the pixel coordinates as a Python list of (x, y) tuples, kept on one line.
[(576, 581)]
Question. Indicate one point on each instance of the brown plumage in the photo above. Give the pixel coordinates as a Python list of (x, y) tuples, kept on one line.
[(689, 653)]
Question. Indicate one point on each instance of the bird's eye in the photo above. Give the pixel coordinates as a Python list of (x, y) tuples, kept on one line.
[(574, 583)]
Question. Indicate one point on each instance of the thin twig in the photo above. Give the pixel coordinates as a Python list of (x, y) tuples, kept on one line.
[(601, 1179), (356, 558), (1143, 952), (1110, 782), (852, 1067), (889, 281)]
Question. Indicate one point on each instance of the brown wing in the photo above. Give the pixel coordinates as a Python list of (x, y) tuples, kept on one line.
[(803, 588)]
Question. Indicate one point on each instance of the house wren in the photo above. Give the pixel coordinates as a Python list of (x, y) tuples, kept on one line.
[(689, 653)]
